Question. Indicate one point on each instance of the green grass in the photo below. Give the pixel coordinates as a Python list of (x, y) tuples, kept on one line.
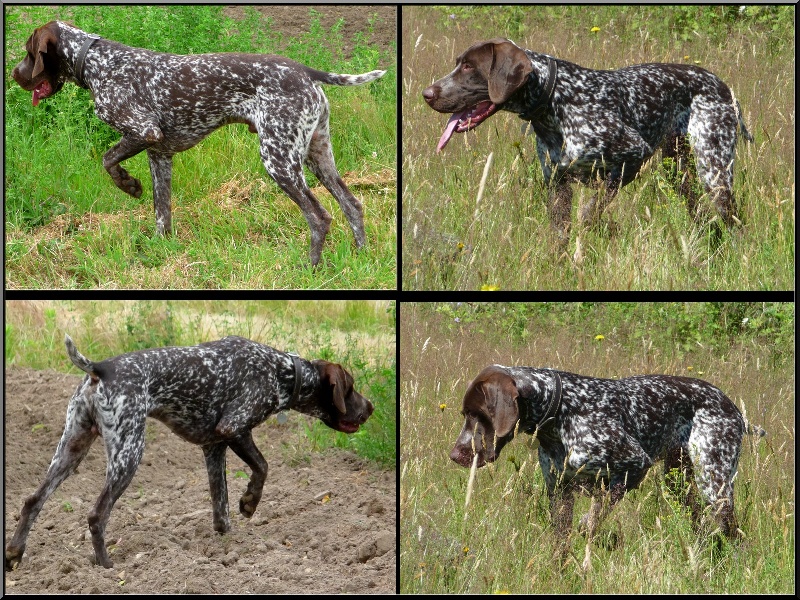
[(504, 542), (68, 226), (451, 240), (360, 335)]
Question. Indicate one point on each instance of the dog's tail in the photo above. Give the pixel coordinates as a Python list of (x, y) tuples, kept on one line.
[(740, 121), (78, 359), (743, 130), (750, 428), (341, 79)]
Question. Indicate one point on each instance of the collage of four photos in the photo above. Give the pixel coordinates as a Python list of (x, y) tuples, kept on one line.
[(444, 299)]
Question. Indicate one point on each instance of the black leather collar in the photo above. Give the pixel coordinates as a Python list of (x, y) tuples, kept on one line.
[(81, 59), (554, 404), (527, 422), (546, 95), (297, 378)]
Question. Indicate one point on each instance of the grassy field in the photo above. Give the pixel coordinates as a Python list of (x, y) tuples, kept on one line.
[(357, 334), (452, 240), (504, 542), (68, 226)]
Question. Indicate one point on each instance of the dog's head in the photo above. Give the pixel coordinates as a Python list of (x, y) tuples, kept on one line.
[(337, 404), (40, 71), (485, 77), (490, 415)]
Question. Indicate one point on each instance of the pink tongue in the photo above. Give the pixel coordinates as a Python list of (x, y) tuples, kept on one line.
[(41, 91), (449, 129)]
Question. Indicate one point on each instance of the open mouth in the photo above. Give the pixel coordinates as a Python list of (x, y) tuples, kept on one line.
[(348, 426), (42, 90), (466, 120)]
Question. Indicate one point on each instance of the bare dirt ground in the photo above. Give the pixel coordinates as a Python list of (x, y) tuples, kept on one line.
[(292, 20), (161, 531)]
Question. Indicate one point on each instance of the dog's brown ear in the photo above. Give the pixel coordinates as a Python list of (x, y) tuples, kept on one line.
[(46, 36), (335, 376), (500, 392), (504, 65)]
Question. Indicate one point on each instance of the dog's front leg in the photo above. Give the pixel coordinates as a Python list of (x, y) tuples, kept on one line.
[(561, 509), (245, 448)]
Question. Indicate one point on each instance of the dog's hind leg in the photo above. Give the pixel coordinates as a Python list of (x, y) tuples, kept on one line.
[(79, 433), (124, 439)]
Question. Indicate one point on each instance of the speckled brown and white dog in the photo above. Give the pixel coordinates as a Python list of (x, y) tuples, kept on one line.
[(602, 435), (166, 103), (211, 395), (599, 127)]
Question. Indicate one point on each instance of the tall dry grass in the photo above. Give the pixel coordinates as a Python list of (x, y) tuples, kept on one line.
[(453, 241)]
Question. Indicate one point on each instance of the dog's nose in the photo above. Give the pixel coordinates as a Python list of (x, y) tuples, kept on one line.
[(364, 414), (430, 94)]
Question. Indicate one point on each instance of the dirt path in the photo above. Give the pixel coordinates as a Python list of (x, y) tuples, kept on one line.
[(161, 526)]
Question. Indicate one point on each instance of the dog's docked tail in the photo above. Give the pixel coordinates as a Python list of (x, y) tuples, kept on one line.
[(78, 359)]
